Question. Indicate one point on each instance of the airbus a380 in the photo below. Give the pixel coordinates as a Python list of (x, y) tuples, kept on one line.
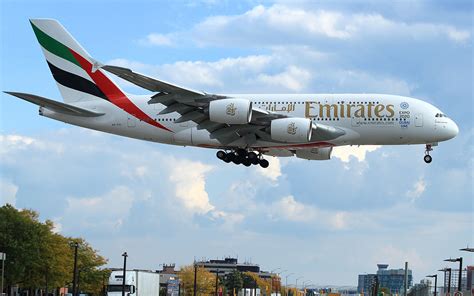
[(242, 127)]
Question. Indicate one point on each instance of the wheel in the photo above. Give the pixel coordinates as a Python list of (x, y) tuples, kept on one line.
[(252, 155), (221, 154), (237, 159), (241, 152), (427, 158), (264, 163), (228, 157), (246, 162)]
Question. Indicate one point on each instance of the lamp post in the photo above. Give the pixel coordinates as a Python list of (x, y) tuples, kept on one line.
[(296, 284), (286, 282), (74, 273), (449, 278), (125, 255), (3, 257), (435, 276), (460, 270), (217, 279), (195, 279)]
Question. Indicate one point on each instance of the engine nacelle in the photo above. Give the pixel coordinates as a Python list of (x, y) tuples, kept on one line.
[(291, 130), (323, 153), (230, 111)]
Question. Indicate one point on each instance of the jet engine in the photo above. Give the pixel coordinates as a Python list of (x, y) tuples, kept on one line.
[(231, 111), (323, 153), (291, 130)]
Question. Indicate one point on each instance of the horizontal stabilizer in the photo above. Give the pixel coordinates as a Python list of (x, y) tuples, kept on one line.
[(55, 105)]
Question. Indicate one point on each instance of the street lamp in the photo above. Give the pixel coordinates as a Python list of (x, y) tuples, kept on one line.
[(74, 273), (435, 276), (125, 255), (449, 278), (3, 257), (460, 270), (286, 282), (296, 284)]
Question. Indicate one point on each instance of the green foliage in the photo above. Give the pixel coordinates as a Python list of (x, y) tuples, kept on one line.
[(37, 256), (233, 281)]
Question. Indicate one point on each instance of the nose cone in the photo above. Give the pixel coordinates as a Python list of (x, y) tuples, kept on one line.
[(450, 130), (453, 129)]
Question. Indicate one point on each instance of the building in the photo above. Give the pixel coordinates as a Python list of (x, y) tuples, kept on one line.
[(391, 279), (227, 265)]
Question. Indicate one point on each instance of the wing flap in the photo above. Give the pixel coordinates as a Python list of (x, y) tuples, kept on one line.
[(55, 105)]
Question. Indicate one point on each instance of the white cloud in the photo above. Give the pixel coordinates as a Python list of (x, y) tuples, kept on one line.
[(292, 210), (14, 142), (281, 24), (8, 192), (273, 172), (417, 190), (157, 39), (99, 213), (344, 153), (293, 78), (396, 257), (190, 185)]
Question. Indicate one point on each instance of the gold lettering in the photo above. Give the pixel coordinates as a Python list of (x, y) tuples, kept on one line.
[(328, 110), (390, 111), (360, 112), (369, 109), (307, 112), (349, 112), (341, 111), (378, 109)]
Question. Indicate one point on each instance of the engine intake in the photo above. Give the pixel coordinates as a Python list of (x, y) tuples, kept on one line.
[(291, 130), (230, 111)]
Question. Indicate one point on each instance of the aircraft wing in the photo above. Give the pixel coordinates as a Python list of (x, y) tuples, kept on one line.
[(55, 105), (192, 105)]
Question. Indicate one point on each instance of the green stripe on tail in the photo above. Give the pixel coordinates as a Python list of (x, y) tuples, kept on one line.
[(54, 46)]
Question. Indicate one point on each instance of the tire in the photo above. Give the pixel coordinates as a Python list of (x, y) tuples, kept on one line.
[(428, 158), (221, 154), (246, 162), (264, 163)]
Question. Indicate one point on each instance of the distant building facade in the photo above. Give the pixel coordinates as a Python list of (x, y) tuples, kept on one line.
[(392, 279)]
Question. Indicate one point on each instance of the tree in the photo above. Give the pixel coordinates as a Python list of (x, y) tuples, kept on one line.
[(205, 280), (234, 281), (40, 258)]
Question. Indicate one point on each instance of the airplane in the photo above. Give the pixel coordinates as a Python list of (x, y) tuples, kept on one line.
[(242, 127)]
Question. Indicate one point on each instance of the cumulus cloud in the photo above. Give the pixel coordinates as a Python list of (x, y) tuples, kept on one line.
[(105, 212), (292, 210), (344, 153), (418, 188), (157, 39), (273, 172), (8, 192), (284, 24), (190, 185)]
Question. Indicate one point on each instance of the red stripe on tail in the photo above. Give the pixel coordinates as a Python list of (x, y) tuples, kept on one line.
[(114, 94)]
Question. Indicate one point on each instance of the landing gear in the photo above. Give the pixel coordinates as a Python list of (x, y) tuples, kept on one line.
[(428, 157), (242, 156)]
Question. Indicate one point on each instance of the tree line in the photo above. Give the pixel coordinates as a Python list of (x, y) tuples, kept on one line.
[(39, 258)]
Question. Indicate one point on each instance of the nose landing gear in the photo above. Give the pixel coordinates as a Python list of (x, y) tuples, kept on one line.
[(428, 157), (242, 156)]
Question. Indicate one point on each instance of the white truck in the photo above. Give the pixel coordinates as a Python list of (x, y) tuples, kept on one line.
[(137, 283)]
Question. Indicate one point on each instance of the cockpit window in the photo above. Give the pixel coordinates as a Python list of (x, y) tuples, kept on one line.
[(440, 115)]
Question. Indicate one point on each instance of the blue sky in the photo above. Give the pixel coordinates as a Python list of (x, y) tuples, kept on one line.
[(326, 221)]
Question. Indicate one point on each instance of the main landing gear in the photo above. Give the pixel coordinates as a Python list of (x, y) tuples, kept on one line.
[(428, 157), (242, 156)]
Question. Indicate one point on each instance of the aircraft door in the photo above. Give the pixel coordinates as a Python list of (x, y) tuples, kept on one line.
[(419, 120), (356, 121), (131, 122)]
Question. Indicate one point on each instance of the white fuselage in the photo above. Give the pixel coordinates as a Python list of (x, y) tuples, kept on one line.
[(367, 119)]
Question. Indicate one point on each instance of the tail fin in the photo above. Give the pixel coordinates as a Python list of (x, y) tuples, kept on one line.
[(76, 73)]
